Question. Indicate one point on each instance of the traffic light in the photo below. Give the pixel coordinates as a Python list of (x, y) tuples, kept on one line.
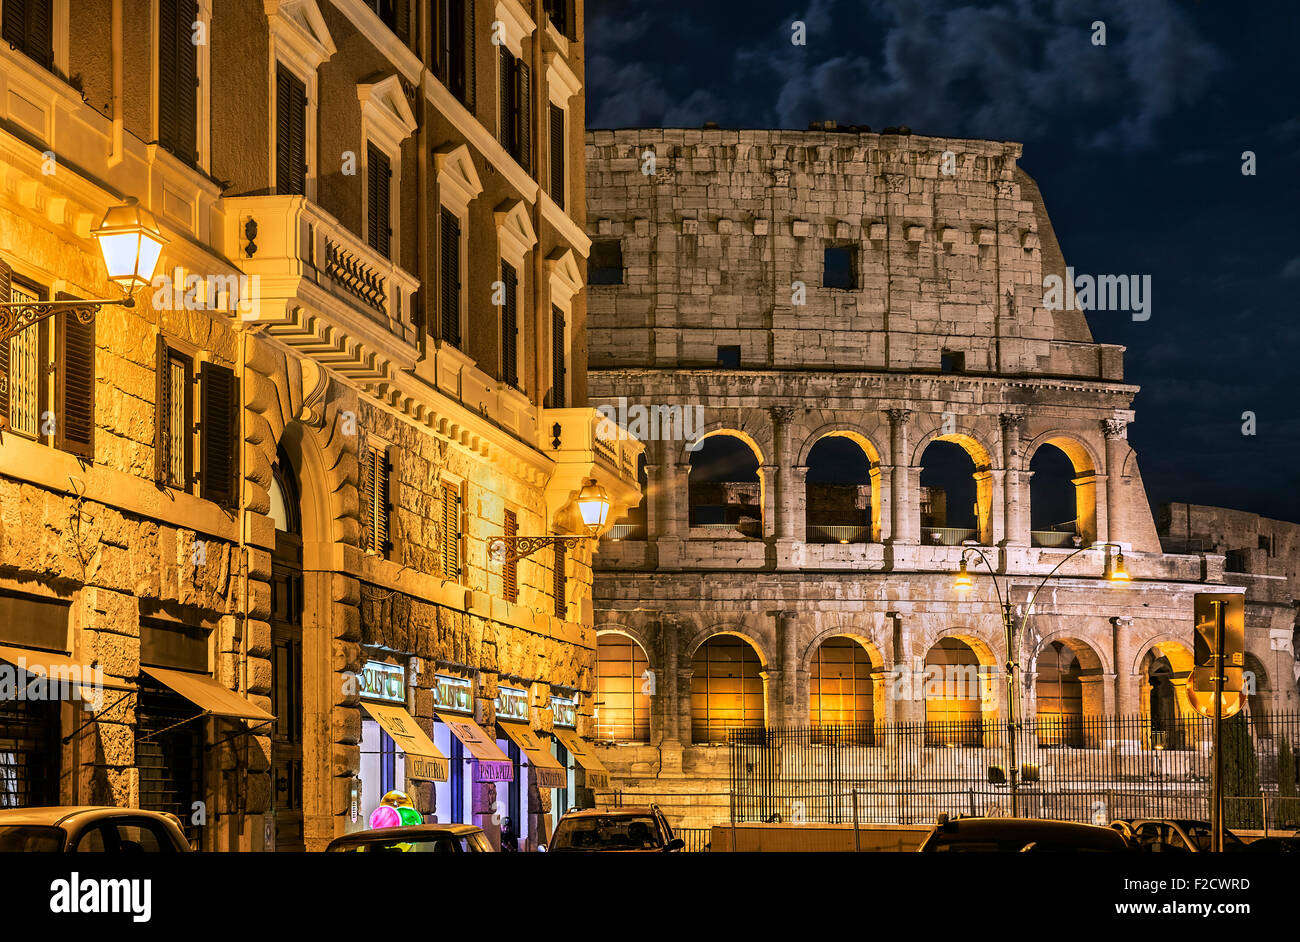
[(1210, 606)]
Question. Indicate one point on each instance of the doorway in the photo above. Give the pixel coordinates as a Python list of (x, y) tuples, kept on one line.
[(286, 659)]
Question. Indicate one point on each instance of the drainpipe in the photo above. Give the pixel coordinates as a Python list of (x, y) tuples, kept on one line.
[(244, 556), (424, 262), (535, 161), (115, 151)]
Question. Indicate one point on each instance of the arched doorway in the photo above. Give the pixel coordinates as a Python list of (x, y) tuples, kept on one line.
[(286, 657), (953, 695), (841, 690), (726, 689), (623, 688), (1059, 686), (1160, 701)]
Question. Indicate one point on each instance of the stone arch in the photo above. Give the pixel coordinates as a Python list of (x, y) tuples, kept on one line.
[(728, 690), (1259, 706), (728, 503), (971, 441), (982, 473), (1167, 660), (1068, 683), (1086, 462), (757, 440), (625, 704), (636, 634), (835, 507), (698, 640), (843, 430), (876, 681), (958, 696)]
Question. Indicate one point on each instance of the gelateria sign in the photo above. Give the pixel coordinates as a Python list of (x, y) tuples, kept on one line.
[(380, 681), (512, 704)]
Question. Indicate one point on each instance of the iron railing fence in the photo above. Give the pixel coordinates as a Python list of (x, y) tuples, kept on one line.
[(1090, 768)]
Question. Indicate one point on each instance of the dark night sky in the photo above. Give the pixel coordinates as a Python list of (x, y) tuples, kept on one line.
[(1136, 146)]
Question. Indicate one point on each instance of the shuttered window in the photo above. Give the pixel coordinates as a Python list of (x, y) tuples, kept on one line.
[(558, 397), (173, 418), (376, 503), (449, 276), (559, 579), (74, 389), (510, 570), (510, 326), (450, 532), (290, 134), (178, 86), (557, 155), (219, 434), (379, 177), (560, 13), (516, 109), (21, 362), (28, 26), (396, 15), (456, 59)]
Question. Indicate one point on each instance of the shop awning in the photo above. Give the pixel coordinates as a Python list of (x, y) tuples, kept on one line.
[(547, 771), (493, 764), (208, 695), (597, 774), (59, 668), (423, 760)]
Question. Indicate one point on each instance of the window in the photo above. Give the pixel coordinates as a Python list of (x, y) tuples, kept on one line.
[(557, 154), (379, 177), (290, 134), (510, 570), (606, 264), (449, 277), (840, 267), (557, 398), (173, 418), (456, 59), (951, 362), (395, 14), (178, 85), (726, 689), (729, 358), (841, 689), (559, 580), (510, 325), (28, 26), (516, 114), (622, 691), (47, 375), (219, 434), (450, 533), (376, 505), (560, 13)]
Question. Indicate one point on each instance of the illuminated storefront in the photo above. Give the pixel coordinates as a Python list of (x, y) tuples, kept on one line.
[(395, 750), (583, 770), (534, 768)]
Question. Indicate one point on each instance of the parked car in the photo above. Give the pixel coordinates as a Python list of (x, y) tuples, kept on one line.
[(1019, 835), (90, 829), (1274, 845), (1173, 835), (414, 839), (639, 830)]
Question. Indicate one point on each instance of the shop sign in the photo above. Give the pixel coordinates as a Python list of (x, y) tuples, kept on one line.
[(512, 704), (564, 712), (453, 693), (380, 681)]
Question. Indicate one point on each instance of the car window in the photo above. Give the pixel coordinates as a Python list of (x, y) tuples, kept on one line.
[(476, 843), (443, 844), (1175, 840), (98, 839), (30, 838), (608, 832), (143, 837)]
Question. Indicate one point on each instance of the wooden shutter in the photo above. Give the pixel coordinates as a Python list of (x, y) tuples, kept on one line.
[(219, 434), (559, 364), (6, 294), (162, 412), (524, 118), (379, 178), (290, 134), (402, 20), (178, 89), (383, 501), (510, 326), (29, 26), (74, 384), (450, 531), (507, 95), (557, 155), (559, 576), (470, 65), (510, 571), (449, 277), (366, 467)]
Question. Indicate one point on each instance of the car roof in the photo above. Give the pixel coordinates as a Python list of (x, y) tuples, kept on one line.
[(974, 826), (412, 831), (641, 811), (58, 815)]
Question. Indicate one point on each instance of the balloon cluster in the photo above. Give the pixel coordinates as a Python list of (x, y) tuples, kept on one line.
[(395, 809)]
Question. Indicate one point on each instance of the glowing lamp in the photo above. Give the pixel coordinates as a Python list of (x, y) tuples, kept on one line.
[(593, 504), (131, 243), (1117, 571), (963, 581)]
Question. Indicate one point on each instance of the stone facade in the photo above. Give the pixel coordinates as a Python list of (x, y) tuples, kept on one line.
[(344, 349), (942, 335)]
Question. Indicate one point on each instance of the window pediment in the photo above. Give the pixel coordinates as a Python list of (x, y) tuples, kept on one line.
[(516, 26), (387, 115), (564, 275), (515, 233), (300, 32), (458, 181)]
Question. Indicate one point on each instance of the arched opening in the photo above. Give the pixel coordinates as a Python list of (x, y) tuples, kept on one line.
[(1062, 495), (726, 689), (953, 695), (841, 689), (624, 685), (1164, 670), (839, 501), (632, 526), (286, 656), (1258, 697), (725, 493), (956, 498), (1060, 696)]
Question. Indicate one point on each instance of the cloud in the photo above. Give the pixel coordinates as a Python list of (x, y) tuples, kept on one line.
[(1292, 268)]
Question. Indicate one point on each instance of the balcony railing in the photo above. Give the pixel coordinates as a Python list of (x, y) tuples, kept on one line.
[(946, 536), (1054, 539), (836, 533), (745, 529), (627, 531)]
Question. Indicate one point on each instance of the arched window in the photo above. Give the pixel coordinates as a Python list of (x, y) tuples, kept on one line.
[(956, 497), (724, 490), (1255, 683), (1060, 696), (952, 695), (726, 689), (841, 691), (838, 506), (1161, 701), (623, 687), (1053, 513)]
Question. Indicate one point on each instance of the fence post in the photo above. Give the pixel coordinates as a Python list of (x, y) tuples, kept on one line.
[(857, 840), (1263, 800)]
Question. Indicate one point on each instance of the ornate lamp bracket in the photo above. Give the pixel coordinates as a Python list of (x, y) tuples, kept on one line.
[(17, 316), (509, 549)]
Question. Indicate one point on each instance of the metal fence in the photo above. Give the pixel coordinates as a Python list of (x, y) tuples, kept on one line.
[(1080, 769)]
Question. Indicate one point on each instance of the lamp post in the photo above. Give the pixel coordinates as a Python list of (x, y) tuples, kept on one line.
[(131, 244), (593, 506), (963, 581)]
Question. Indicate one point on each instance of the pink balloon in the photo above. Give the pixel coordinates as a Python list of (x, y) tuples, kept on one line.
[(385, 816)]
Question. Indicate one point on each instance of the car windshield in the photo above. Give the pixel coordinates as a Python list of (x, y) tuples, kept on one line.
[(1202, 837), (26, 838), (607, 832), (1014, 843), (442, 844)]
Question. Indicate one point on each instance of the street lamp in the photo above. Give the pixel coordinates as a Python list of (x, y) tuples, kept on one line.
[(131, 244), (962, 582), (593, 505)]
